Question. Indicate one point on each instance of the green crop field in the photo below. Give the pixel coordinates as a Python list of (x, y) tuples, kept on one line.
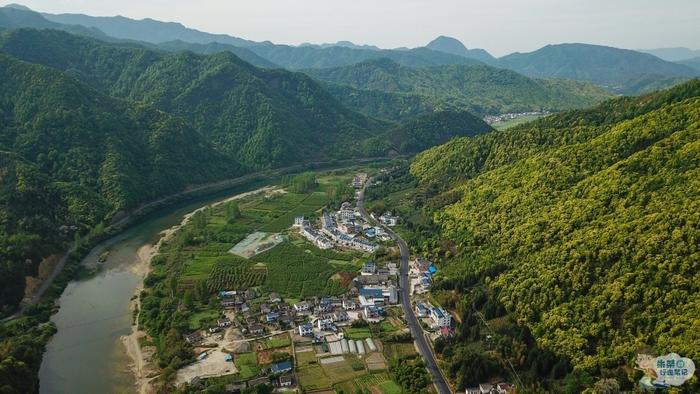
[(295, 269), (293, 272), (277, 341), (247, 364), (342, 371), (368, 381), (313, 377), (357, 333)]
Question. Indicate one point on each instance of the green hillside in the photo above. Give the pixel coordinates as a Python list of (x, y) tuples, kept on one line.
[(439, 127), (476, 88), (74, 157), (214, 47), (263, 117), (581, 227)]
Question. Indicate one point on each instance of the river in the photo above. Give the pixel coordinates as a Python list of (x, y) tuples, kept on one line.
[(86, 355)]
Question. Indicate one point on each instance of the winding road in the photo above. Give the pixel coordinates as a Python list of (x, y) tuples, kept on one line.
[(405, 290)]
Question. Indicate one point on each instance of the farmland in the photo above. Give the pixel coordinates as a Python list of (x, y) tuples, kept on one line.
[(294, 268), (247, 364)]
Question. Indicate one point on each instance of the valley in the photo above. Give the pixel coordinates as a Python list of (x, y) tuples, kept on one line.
[(183, 211)]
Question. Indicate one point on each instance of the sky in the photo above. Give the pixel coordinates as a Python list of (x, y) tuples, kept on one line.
[(499, 26)]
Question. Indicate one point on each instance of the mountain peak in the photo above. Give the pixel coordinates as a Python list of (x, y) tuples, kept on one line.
[(456, 47), (18, 7)]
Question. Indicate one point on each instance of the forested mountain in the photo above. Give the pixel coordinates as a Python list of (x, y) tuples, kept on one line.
[(262, 117), (477, 88), (72, 156), (612, 67), (582, 226), (435, 128), (14, 16), (147, 30), (215, 47), (455, 47), (391, 106)]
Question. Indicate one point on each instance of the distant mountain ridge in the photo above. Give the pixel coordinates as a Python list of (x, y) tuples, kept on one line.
[(612, 67), (477, 88), (673, 54), (456, 47), (147, 30)]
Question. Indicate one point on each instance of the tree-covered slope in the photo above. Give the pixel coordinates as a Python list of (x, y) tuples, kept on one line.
[(477, 88), (612, 67), (263, 117), (435, 128), (214, 47), (585, 226), (72, 156)]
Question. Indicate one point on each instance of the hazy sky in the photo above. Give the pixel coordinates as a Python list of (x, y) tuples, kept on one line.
[(500, 26)]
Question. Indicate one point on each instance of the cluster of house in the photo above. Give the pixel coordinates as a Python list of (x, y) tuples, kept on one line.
[(311, 234), (359, 180), (342, 229), (488, 388), (490, 119), (282, 370), (255, 319), (438, 318), (426, 270)]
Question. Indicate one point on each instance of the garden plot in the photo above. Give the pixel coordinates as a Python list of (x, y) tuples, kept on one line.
[(256, 243), (331, 360)]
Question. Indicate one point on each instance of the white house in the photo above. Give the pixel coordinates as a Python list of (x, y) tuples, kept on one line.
[(325, 324), (306, 330), (339, 317), (440, 317), (369, 268), (388, 219), (349, 305), (302, 306)]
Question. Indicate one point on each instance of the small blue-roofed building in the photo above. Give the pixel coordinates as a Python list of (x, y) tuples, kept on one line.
[(432, 269), (271, 317), (281, 367), (425, 282), (422, 310)]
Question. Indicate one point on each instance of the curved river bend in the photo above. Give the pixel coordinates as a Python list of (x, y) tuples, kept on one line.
[(86, 355)]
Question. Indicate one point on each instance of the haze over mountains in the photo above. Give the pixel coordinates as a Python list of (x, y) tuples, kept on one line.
[(619, 70)]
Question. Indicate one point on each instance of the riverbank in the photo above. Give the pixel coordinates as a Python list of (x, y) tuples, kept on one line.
[(140, 364)]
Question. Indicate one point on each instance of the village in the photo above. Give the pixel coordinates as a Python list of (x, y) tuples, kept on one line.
[(263, 338)]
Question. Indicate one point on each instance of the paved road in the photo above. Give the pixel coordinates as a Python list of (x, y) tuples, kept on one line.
[(405, 288)]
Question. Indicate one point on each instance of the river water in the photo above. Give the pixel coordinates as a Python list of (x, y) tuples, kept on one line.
[(86, 354)]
